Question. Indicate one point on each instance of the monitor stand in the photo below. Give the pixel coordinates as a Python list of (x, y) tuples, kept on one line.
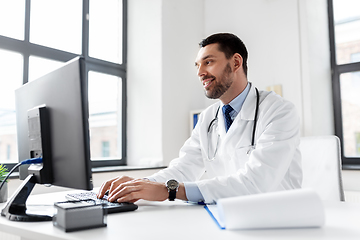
[(15, 209)]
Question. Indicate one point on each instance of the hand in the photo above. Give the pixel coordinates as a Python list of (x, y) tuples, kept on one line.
[(111, 184), (127, 189), (136, 189)]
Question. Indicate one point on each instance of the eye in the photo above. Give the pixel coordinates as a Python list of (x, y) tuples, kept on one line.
[(209, 61)]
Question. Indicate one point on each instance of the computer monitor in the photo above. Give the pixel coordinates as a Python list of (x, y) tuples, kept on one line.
[(52, 123)]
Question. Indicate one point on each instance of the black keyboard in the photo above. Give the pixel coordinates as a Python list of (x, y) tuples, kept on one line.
[(111, 207)]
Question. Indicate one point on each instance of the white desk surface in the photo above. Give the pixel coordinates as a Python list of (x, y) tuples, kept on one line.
[(179, 220)]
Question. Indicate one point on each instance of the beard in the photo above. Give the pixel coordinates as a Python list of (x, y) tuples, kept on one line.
[(221, 86)]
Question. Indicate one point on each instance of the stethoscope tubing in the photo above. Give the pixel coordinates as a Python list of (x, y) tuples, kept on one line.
[(255, 119), (256, 116)]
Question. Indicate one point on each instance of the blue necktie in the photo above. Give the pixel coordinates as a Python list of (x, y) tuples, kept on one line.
[(226, 110)]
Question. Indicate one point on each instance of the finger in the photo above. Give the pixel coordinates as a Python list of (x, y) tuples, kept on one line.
[(121, 181), (131, 197), (105, 187), (102, 191), (113, 188), (123, 190), (120, 191), (114, 184)]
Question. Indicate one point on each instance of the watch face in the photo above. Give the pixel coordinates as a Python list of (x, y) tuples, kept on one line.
[(172, 184)]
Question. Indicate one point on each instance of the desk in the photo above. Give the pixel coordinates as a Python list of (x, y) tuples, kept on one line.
[(179, 220)]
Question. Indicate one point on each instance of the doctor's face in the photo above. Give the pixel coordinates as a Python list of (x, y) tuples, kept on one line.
[(214, 71)]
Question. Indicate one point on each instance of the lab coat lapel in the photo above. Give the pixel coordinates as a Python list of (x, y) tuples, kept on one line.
[(221, 125), (247, 113)]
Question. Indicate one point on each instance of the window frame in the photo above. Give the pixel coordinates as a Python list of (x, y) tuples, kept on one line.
[(27, 49), (336, 71)]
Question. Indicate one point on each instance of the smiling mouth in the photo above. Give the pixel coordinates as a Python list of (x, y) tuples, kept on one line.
[(207, 82)]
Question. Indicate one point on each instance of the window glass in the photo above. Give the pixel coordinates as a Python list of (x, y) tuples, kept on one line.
[(105, 116), (357, 137), (105, 149), (105, 30), (347, 30), (11, 75), (350, 104), (40, 66), (12, 12), (355, 57), (57, 24)]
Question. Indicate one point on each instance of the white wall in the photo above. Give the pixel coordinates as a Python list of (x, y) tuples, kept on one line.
[(144, 81), (287, 42), (317, 109), (182, 25), (270, 32), (162, 82)]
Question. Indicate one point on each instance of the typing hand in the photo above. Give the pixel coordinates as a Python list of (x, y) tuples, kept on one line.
[(108, 187), (133, 190), (127, 189)]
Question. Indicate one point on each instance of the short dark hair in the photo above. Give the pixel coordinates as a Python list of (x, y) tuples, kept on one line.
[(229, 44)]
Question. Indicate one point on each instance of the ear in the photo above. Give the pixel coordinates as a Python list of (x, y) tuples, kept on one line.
[(238, 61)]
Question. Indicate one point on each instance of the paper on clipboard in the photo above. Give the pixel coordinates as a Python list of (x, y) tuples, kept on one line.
[(287, 209), (213, 212)]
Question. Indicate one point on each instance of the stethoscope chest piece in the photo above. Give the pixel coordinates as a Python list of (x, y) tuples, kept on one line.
[(250, 150)]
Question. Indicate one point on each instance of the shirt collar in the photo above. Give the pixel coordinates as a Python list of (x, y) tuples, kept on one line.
[(238, 102)]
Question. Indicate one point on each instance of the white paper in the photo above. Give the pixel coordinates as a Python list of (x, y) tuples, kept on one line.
[(285, 209), (215, 214)]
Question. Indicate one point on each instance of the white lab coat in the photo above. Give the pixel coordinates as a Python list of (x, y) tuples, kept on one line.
[(274, 164)]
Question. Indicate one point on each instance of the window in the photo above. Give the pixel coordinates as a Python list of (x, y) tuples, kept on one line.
[(344, 29), (57, 24), (357, 146), (14, 12), (104, 114), (105, 149), (11, 77), (106, 42), (8, 152), (41, 35)]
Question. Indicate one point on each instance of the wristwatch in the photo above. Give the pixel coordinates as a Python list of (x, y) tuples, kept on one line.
[(172, 185)]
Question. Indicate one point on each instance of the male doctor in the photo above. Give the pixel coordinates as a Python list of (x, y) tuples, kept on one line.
[(247, 143)]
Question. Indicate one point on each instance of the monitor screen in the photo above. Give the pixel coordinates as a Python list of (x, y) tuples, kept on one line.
[(63, 93)]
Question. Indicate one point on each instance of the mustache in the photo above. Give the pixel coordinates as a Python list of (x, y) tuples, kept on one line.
[(207, 76)]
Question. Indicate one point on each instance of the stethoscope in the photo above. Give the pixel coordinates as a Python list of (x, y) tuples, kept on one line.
[(212, 126)]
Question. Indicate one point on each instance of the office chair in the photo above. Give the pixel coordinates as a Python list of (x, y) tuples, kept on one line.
[(321, 163)]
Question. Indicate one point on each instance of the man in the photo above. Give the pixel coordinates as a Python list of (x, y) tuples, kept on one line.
[(248, 148)]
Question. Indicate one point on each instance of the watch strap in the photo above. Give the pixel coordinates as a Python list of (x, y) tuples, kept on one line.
[(172, 195)]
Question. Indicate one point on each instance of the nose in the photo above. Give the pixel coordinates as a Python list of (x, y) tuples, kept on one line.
[(201, 71)]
